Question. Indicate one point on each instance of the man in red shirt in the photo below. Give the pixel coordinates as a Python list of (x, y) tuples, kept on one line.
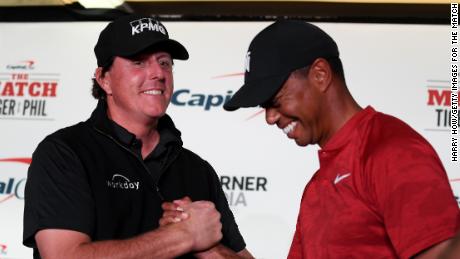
[(381, 190)]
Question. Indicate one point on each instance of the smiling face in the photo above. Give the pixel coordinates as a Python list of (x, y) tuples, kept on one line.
[(295, 110), (300, 107), (138, 88)]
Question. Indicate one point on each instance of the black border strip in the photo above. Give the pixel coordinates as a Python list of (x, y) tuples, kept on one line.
[(241, 11)]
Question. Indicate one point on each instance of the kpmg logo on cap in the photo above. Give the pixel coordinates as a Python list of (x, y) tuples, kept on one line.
[(248, 61), (149, 24)]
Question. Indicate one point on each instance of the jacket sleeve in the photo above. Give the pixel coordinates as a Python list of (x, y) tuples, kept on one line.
[(57, 193), (232, 237)]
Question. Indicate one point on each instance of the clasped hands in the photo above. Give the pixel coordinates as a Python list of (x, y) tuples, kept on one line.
[(200, 220)]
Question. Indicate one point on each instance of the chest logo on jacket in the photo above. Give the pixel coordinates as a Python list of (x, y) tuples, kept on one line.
[(119, 181), (339, 177)]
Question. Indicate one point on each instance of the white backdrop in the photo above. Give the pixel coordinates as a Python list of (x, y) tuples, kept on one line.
[(45, 72)]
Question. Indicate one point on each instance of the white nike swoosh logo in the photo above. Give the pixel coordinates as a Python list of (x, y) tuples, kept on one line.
[(339, 178)]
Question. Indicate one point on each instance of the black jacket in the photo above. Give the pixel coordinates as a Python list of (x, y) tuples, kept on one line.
[(89, 178)]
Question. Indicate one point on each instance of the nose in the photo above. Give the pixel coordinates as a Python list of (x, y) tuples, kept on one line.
[(271, 115), (155, 70)]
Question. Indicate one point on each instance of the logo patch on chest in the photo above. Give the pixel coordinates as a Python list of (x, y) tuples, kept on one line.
[(119, 181), (339, 177)]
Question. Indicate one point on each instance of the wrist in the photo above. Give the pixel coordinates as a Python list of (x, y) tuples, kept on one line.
[(208, 254), (185, 238)]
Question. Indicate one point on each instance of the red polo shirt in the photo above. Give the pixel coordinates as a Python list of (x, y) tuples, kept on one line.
[(381, 192)]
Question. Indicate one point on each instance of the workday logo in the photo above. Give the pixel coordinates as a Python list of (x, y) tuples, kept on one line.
[(149, 24), (119, 181)]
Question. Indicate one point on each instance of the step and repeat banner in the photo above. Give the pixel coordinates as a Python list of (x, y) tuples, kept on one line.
[(45, 84)]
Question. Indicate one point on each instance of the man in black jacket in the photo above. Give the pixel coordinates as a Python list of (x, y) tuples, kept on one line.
[(95, 189)]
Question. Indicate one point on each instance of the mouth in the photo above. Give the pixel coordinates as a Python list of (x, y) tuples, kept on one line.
[(290, 127), (153, 92)]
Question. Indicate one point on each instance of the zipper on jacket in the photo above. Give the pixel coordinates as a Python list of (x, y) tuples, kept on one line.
[(155, 187)]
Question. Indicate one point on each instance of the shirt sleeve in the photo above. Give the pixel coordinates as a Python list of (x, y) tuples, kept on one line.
[(232, 237), (414, 196), (57, 193)]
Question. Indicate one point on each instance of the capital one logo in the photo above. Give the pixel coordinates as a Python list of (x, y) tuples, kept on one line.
[(24, 65), (13, 186), (149, 24)]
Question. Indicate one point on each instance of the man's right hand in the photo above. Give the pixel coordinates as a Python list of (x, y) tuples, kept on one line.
[(198, 231), (200, 220), (174, 212)]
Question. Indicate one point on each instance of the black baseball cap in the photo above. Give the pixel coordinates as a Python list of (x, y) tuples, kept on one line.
[(274, 53), (132, 34)]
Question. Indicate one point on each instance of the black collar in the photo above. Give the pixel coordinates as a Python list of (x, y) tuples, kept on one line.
[(169, 134)]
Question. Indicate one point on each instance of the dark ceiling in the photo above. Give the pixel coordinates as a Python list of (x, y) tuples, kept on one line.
[(236, 11)]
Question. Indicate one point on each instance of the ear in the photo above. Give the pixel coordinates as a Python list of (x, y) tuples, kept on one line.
[(103, 80), (321, 74)]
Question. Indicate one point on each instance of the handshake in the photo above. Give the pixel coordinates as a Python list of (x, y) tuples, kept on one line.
[(198, 220)]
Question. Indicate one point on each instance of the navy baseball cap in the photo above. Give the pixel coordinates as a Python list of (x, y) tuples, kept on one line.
[(274, 53), (132, 34)]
